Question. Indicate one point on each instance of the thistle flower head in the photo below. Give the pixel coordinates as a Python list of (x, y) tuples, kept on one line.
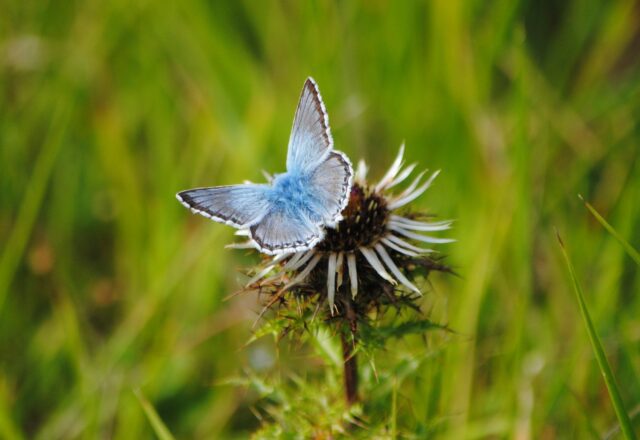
[(372, 256)]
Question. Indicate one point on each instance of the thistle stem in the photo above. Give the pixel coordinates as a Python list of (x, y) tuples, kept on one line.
[(349, 357), (350, 371)]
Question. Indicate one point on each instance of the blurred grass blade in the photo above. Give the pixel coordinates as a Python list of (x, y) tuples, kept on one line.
[(8, 429), (394, 410), (157, 424), (625, 244), (603, 363), (32, 201)]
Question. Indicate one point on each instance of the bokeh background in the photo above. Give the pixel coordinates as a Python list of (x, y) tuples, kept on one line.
[(108, 285)]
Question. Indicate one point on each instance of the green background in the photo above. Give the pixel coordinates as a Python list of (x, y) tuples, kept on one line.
[(107, 284)]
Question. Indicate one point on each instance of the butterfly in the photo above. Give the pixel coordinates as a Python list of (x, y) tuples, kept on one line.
[(290, 213)]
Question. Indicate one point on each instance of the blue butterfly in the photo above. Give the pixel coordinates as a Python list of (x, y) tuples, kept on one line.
[(289, 214)]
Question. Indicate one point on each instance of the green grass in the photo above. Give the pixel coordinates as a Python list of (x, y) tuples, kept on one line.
[(625, 244), (601, 357), (158, 426), (108, 285)]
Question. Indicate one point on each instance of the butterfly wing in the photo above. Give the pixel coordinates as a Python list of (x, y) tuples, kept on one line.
[(331, 186), (278, 221), (310, 139), (236, 205), (282, 230), (311, 153)]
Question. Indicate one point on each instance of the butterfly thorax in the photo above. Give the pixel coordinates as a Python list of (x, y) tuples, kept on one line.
[(292, 190)]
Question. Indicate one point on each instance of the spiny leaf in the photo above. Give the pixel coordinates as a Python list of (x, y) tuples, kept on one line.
[(377, 336), (410, 327), (274, 327)]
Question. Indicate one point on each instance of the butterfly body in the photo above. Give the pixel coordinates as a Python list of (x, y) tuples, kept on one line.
[(290, 214), (292, 191)]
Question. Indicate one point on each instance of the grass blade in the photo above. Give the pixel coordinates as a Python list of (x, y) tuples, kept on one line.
[(603, 363), (32, 201), (625, 244), (156, 422)]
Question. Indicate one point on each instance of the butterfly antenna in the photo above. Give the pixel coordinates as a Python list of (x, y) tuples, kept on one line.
[(267, 176)]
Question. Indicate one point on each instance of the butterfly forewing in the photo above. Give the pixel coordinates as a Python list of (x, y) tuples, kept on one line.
[(310, 139), (236, 205)]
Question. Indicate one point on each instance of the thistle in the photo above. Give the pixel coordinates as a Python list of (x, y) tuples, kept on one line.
[(371, 260)]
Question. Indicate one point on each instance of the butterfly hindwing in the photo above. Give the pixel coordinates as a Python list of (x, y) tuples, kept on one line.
[(282, 231), (310, 139), (235, 205), (331, 182)]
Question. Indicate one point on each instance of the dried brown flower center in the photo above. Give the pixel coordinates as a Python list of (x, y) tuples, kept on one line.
[(363, 224)]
